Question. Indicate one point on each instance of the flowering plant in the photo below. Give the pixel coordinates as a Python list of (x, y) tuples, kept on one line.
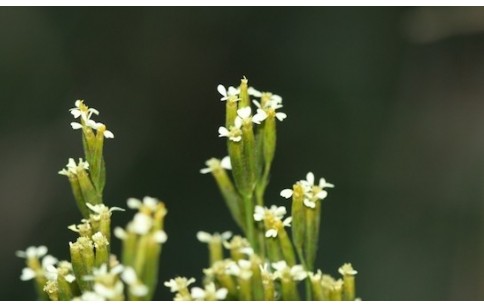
[(267, 262)]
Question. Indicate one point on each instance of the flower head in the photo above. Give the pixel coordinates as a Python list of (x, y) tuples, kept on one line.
[(226, 93), (215, 164), (210, 293), (283, 271), (72, 168), (347, 270), (272, 218), (206, 237), (178, 283), (233, 132)]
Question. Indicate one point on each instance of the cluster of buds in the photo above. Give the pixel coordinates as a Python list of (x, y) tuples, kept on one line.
[(244, 275), (88, 177), (93, 272), (242, 178), (142, 241)]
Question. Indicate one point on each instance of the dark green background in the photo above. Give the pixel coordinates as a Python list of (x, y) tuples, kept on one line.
[(394, 119)]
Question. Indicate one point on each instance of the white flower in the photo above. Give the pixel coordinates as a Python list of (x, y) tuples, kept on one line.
[(206, 237), (101, 208), (227, 93), (269, 108), (283, 271), (81, 110), (347, 270), (273, 216), (73, 168), (27, 274), (214, 164), (209, 293), (241, 269), (233, 133), (32, 252), (149, 202), (244, 113), (179, 283), (312, 192), (98, 125), (141, 223)]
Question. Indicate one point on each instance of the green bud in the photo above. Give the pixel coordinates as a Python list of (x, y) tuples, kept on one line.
[(244, 94)]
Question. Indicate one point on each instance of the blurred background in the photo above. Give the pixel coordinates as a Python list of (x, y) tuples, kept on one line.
[(386, 103)]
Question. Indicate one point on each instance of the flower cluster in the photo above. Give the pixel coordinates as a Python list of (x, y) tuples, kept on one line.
[(312, 192)]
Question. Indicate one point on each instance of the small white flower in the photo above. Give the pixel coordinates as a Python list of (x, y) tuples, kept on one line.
[(233, 133), (73, 168), (347, 270), (271, 233), (214, 164), (100, 208), (209, 293), (81, 110), (283, 271), (32, 252), (27, 274), (134, 203), (260, 116), (206, 237), (179, 283), (244, 113), (150, 202), (287, 193), (98, 125), (141, 223), (227, 93), (241, 269)]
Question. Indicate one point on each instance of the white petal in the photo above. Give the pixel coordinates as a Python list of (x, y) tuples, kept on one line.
[(69, 278), (259, 116), (76, 125), (129, 275), (238, 122), (134, 203), (287, 193), (226, 163), (280, 265), (323, 183), (139, 290), (223, 132), (232, 91), (120, 233), (236, 138), (309, 203), (95, 111), (256, 103), (160, 236), (91, 296), (48, 261), (244, 113), (27, 274), (198, 293), (271, 233), (150, 202), (322, 194), (205, 170), (204, 237), (221, 293), (142, 223), (78, 103), (254, 92), (276, 98), (310, 178), (226, 235), (221, 89), (76, 113), (287, 222), (108, 134), (281, 116)]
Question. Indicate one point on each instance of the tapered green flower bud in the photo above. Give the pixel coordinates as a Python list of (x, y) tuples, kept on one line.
[(78, 267), (244, 94), (102, 251), (316, 288), (336, 294)]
